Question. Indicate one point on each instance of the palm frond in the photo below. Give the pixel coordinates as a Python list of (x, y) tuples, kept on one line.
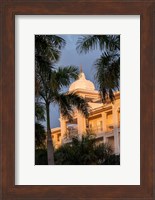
[(65, 107), (78, 102), (84, 151), (49, 46), (39, 111), (40, 136), (68, 102), (63, 76), (87, 43), (104, 42), (107, 75)]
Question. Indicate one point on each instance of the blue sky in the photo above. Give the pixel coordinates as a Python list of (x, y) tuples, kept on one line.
[(68, 57)]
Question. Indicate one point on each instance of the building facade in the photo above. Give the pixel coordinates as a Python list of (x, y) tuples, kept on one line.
[(103, 120)]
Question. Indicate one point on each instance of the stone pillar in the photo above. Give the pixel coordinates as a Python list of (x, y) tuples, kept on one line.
[(104, 127), (81, 121), (115, 124), (63, 128)]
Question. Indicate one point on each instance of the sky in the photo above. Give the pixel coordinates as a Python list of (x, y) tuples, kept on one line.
[(69, 56)]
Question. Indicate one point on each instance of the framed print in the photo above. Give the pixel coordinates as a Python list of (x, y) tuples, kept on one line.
[(101, 118), (122, 118)]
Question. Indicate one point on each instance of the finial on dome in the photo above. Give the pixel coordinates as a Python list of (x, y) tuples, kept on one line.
[(82, 83), (81, 69)]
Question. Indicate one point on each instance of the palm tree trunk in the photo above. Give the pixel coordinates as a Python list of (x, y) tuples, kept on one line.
[(50, 148)]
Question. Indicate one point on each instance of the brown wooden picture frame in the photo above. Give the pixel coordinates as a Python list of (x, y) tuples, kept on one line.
[(8, 10)]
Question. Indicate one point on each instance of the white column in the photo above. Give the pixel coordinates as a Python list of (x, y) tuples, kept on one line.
[(115, 124), (81, 121), (63, 128), (104, 126)]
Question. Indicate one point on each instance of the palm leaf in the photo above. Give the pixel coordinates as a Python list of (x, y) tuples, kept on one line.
[(107, 75), (68, 102), (104, 42)]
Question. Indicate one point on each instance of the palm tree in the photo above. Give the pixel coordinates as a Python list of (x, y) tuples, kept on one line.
[(49, 83), (49, 88), (84, 151), (108, 65)]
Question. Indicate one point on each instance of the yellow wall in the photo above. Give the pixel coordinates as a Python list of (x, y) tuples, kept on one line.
[(109, 121), (96, 124)]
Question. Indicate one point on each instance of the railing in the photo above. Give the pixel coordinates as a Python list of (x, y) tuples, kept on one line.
[(95, 130), (98, 131), (70, 134)]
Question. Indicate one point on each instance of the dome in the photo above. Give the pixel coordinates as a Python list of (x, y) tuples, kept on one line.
[(82, 83)]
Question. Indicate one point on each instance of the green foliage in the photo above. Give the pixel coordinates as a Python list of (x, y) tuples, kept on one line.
[(112, 160), (69, 101), (108, 74), (64, 75), (39, 111), (40, 136), (83, 152), (41, 157), (108, 65), (88, 43), (47, 49)]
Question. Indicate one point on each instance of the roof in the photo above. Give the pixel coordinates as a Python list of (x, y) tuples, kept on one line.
[(82, 83)]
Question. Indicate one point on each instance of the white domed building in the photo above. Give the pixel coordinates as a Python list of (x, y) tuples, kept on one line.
[(82, 84), (103, 120)]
